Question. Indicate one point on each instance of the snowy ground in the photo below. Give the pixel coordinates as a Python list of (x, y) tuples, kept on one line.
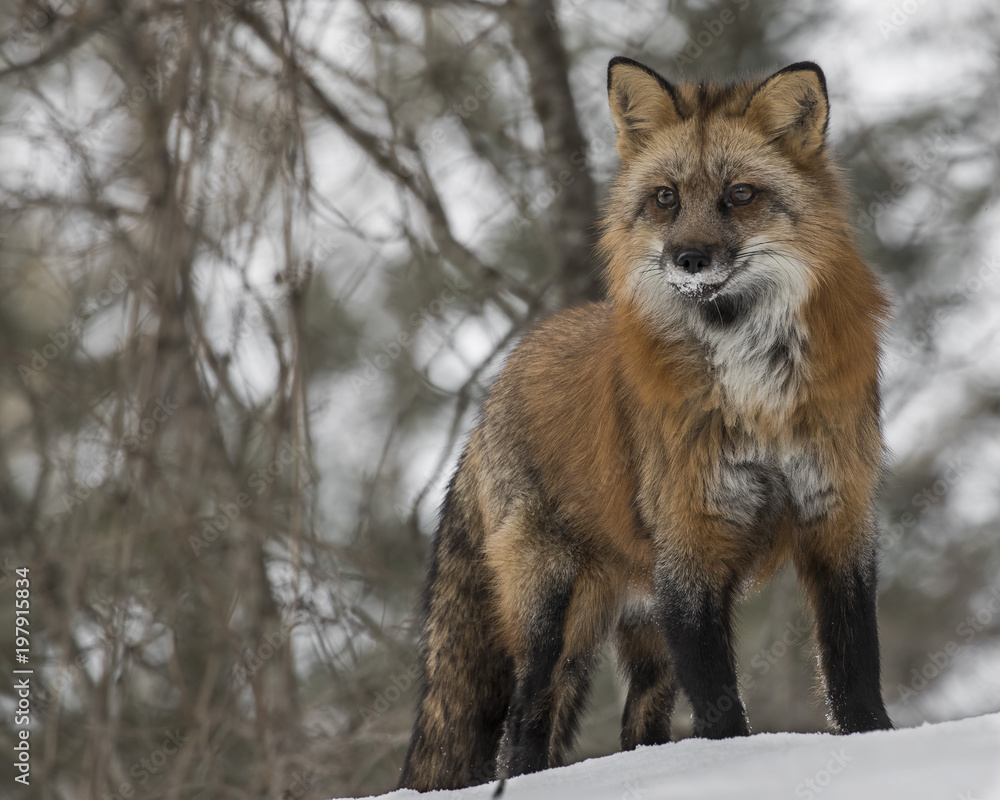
[(947, 761)]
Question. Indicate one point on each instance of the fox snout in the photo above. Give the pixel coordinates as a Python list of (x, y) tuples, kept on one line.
[(697, 271)]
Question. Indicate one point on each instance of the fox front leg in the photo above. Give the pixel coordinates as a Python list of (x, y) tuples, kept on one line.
[(843, 599), (698, 626)]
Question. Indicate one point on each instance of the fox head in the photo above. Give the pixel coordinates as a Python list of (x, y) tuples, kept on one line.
[(726, 200)]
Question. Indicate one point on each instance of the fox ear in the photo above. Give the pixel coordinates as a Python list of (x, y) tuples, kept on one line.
[(641, 101), (792, 105)]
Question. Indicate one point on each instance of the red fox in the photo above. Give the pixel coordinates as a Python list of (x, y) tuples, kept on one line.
[(643, 461)]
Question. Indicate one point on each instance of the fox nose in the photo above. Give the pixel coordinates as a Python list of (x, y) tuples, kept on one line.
[(693, 261)]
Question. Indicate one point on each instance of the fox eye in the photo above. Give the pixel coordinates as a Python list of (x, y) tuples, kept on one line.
[(740, 194), (665, 197)]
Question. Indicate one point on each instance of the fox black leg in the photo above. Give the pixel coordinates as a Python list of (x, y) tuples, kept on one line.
[(644, 658), (844, 606), (698, 624), (570, 687), (532, 707)]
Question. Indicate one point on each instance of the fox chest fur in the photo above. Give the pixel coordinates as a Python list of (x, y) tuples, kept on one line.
[(756, 378), (766, 462)]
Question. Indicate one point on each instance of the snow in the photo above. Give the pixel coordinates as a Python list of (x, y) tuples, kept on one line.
[(694, 285), (946, 761)]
